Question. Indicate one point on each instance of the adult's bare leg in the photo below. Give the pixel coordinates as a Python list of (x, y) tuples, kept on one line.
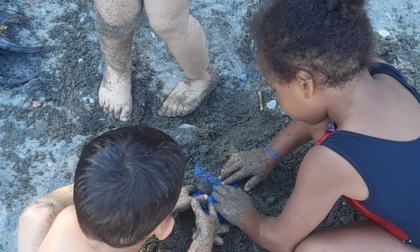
[(185, 37), (362, 236), (115, 24)]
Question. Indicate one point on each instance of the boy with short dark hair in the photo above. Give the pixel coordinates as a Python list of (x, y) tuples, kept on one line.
[(127, 183)]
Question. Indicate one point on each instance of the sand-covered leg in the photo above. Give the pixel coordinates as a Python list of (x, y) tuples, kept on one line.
[(115, 24), (185, 38)]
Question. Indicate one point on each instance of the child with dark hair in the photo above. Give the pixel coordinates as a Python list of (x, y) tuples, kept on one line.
[(127, 183), (317, 56)]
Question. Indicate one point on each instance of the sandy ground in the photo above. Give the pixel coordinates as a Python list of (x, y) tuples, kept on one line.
[(39, 147)]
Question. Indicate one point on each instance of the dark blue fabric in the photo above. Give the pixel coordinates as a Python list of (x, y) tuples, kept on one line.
[(382, 68), (391, 170)]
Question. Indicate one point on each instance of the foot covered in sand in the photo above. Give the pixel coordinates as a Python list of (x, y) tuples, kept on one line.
[(188, 95), (115, 94)]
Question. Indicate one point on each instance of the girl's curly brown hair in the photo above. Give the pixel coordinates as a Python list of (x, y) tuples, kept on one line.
[(333, 38)]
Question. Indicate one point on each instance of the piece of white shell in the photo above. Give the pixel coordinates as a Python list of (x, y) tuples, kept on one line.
[(271, 104)]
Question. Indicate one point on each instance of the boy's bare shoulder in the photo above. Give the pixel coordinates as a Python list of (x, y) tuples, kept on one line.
[(64, 233)]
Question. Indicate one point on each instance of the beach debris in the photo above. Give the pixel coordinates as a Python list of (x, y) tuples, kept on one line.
[(260, 100), (9, 21), (36, 104), (243, 77), (271, 104), (9, 18), (7, 45), (384, 33)]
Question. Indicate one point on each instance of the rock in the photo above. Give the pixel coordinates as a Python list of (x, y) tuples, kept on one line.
[(203, 149), (36, 104), (243, 77), (384, 33), (271, 104), (270, 199)]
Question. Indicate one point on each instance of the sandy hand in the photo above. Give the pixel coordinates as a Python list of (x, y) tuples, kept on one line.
[(253, 163), (115, 94), (208, 226), (232, 203), (184, 200), (188, 95)]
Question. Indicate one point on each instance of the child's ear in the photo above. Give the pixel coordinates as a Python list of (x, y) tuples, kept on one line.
[(306, 83), (165, 228)]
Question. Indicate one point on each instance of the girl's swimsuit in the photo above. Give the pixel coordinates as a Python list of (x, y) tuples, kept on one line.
[(390, 169)]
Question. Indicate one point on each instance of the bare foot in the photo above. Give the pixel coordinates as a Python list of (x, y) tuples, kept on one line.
[(115, 94), (188, 95)]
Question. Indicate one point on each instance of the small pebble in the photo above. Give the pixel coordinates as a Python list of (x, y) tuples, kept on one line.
[(255, 74), (243, 77), (36, 104), (91, 100), (271, 104), (270, 199), (384, 33), (203, 149), (80, 60)]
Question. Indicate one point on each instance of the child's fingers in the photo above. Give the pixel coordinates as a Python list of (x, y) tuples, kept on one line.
[(196, 207), (221, 210), (195, 235), (212, 210), (219, 194), (202, 198), (228, 169), (218, 240), (223, 228), (189, 189), (239, 175), (252, 182)]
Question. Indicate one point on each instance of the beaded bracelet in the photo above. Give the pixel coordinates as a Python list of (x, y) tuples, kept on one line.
[(273, 154)]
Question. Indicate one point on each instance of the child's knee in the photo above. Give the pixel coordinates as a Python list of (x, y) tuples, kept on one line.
[(314, 244), (112, 25), (167, 29)]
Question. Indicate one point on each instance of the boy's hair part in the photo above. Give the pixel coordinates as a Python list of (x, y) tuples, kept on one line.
[(126, 183), (329, 39)]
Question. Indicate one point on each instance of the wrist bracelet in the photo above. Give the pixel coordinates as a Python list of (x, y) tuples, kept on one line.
[(273, 154)]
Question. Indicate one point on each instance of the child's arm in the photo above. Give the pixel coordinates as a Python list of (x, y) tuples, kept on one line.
[(37, 218), (323, 177), (258, 163)]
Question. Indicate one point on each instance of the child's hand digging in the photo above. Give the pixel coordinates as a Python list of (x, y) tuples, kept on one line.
[(208, 226), (255, 163), (184, 200), (232, 204)]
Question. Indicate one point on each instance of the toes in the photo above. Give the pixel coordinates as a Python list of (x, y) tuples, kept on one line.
[(101, 102), (163, 110), (174, 110), (125, 114), (111, 110), (180, 110), (106, 107), (117, 112), (169, 109)]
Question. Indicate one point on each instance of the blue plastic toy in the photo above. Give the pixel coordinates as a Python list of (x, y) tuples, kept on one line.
[(211, 182)]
